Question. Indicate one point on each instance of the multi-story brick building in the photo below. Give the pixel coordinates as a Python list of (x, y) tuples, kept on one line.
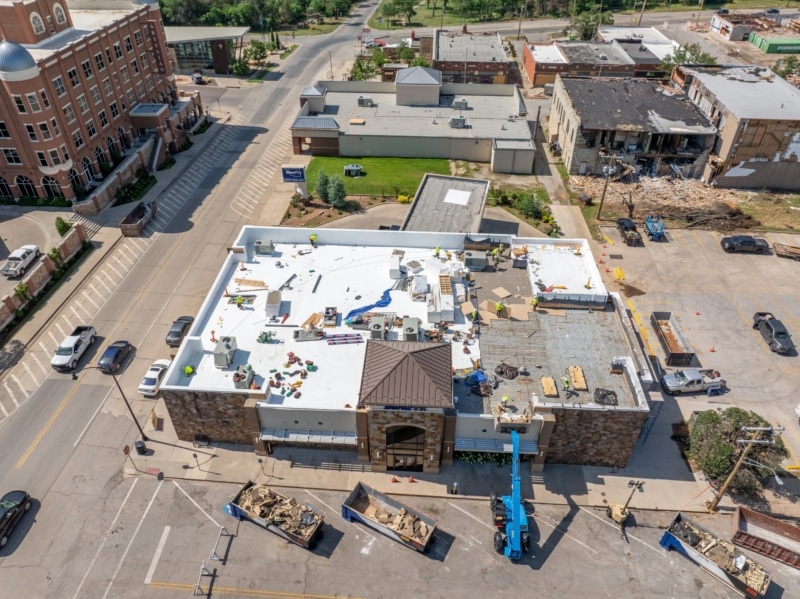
[(470, 57), (71, 81)]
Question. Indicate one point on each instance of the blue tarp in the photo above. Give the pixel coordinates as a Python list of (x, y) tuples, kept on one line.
[(385, 300), (476, 378)]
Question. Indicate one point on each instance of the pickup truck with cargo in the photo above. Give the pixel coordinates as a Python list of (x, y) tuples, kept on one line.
[(389, 517), (691, 380), (19, 260), (70, 350), (744, 243), (281, 515), (774, 332)]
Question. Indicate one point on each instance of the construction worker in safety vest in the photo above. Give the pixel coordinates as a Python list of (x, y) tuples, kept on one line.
[(567, 384), (188, 370), (436, 251), (535, 303), (240, 302), (474, 316), (496, 256), (498, 307), (313, 239), (506, 399)]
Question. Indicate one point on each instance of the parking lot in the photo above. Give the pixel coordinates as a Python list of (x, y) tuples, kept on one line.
[(164, 531), (714, 296)]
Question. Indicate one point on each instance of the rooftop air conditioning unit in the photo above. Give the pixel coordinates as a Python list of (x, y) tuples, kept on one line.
[(460, 105), (364, 101), (458, 122), (264, 247), (376, 327), (224, 352)]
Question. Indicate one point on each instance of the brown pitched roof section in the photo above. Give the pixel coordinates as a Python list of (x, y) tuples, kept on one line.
[(407, 373)]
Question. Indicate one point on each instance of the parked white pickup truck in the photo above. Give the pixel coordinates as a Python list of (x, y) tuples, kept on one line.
[(72, 348), (691, 380), (19, 261)]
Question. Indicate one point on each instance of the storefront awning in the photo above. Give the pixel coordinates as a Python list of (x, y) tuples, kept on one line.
[(284, 435), (496, 446)]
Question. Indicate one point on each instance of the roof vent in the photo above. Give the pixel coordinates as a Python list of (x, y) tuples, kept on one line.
[(458, 122), (460, 104)]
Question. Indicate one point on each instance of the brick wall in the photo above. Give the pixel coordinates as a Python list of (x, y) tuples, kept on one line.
[(594, 437), (220, 416), (37, 277), (432, 422)]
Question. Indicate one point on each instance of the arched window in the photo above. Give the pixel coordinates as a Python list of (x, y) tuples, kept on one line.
[(99, 155), (74, 180), (123, 140), (111, 144), (51, 188), (26, 188), (61, 18), (38, 24), (5, 190), (88, 173)]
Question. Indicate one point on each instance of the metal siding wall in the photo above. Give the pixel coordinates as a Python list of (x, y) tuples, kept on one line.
[(400, 147), (783, 176)]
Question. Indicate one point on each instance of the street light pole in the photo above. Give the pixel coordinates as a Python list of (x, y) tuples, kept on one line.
[(522, 10), (605, 187), (330, 58), (127, 404)]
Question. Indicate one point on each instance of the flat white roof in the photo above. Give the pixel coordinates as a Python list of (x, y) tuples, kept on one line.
[(348, 276), (548, 54), (646, 34)]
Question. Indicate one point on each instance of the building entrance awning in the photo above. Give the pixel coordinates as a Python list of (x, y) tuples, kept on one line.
[(330, 438), (496, 446)]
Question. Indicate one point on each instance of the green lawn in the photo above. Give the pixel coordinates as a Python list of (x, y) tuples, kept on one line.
[(387, 176)]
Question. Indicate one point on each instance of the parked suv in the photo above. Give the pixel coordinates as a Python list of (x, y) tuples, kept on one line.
[(744, 243), (774, 332)]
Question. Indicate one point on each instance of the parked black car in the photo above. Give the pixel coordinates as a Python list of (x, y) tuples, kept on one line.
[(114, 356), (774, 332), (773, 11), (721, 11), (178, 330), (744, 243), (13, 506)]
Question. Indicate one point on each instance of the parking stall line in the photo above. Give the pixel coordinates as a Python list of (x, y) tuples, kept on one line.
[(466, 513), (555, 526), (105, 538), (30, 373), (243, 592), (56, 342), (44, 370), (43, 346), (88, 297), (125, 268), (103, 283), (157, 556), (60, 330), (119, 274), (77, 314), (14, 378), (3, 409), (614, 526), (195, 503), (123, 255), (697, 237)]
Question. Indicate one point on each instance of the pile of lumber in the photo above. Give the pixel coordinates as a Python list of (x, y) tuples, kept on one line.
[(282, 511), (403, 523)]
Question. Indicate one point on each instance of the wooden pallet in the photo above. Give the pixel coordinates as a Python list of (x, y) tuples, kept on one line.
[(549, 387), (577, 378)]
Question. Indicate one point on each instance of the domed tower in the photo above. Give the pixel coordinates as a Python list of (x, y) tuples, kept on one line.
[(16, 63)]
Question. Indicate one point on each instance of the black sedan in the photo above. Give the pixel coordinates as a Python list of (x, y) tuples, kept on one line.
[(744, 243), (178, 330), (13, 506), (114, 356)]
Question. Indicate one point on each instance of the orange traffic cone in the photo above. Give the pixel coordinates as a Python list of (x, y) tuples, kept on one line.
[(604, 246), (608, 269), (411, 479), (712, 350), (697, 313), (600, 261), (394, 479)]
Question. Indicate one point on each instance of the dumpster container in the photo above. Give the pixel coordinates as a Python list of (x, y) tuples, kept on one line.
[(141, 448)]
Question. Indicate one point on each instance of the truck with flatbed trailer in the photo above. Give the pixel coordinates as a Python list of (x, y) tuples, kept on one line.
[(389, 517), (692, 380), (284, 516), (69, 351)]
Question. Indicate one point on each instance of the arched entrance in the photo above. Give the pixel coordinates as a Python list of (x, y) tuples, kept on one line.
[(405, 448)]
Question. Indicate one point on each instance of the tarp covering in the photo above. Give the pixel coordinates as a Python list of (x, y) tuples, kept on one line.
[(385, 300)]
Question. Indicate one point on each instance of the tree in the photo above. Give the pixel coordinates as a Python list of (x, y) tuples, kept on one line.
[(714, 449), (323, 185), (258, 50), (419, 61), (686, 54), (379, 57), (62, 226), (786, 66), (586, 24), (337, 195), (407, 54), (364, 69)]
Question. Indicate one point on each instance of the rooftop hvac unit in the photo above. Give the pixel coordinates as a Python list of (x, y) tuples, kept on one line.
[(475, 261), (376, 327), (273, 306), (364, 101), (243, 377), (458, 122), (460, 104), (224, 352), (411, 329), (264, 247)]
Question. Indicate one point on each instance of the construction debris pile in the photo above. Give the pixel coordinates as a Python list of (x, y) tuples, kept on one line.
[(684, 200), (283, 512), (403, 523)]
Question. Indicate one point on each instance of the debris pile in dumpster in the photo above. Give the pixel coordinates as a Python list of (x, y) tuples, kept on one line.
[(282, 511)]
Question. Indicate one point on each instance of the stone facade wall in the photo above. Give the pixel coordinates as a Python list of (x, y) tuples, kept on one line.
[(220, 416), (380, 420), (594, 437), (37, 277)]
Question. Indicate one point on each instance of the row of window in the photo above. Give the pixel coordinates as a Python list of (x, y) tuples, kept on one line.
[(38, 24), (54, 157), (27, 189)]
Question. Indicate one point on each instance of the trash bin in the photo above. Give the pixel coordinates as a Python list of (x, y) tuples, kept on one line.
[(141, 448)]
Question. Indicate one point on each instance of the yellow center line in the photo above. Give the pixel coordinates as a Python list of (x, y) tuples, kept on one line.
[(47, 426), (175, 586)]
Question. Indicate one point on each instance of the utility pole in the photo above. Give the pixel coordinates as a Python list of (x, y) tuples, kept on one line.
[(641, 14), (607, 170), (755, 439), (522, 10), (697, 20)]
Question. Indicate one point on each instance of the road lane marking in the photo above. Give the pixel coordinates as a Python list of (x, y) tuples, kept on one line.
[(157, 556), (242, 592), (133, 538), (614, 526), (88, 424), (478, 520), (555, 526), (47, 426), (174, 482), (105, 538)]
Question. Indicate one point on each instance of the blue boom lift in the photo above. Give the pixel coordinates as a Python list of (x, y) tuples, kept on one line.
[(508, 513)]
